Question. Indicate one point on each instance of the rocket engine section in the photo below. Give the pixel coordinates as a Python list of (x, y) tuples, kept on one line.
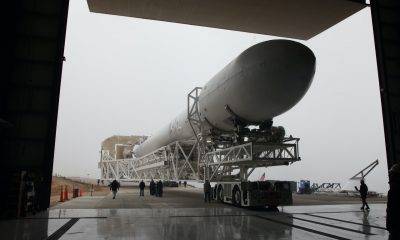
[(264, 81)]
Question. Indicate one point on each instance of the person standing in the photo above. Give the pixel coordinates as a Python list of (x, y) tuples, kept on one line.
[(152, 187), (114, 187), (207, 191), (363, 193), (28, 194), (159, 188), (393, 200), (184, 183), (156, 191), (141, 187)]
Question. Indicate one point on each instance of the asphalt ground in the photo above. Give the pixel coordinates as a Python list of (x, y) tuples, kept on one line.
[(182, 214), (128, 197)]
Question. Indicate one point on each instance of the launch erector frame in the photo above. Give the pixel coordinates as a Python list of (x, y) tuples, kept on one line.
[(178, 160), (169, 162), (192, 159), (248, 156)]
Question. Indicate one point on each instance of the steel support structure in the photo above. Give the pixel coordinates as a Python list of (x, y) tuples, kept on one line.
[(386, 25), (197, 125), (246, 157), (363, 173), (194, 159), (172, 162)]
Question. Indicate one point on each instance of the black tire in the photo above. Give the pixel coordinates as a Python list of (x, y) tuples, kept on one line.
[(220, 194), (236, 197), (272, 208)]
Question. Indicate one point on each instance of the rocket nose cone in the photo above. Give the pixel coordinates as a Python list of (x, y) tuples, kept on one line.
[(277, 74)]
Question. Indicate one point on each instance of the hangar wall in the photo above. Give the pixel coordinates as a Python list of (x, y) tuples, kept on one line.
[(30, 87), (386, 24)]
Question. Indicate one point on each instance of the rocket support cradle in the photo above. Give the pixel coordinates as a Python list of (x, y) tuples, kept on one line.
[(264, 81)]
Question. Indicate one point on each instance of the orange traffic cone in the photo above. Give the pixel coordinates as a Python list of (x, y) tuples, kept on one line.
[(66, 193), (62, 195)]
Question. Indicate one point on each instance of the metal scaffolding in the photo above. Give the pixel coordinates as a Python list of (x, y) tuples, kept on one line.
[(246, 157), (365, 171), (197, 158), (175, 161)]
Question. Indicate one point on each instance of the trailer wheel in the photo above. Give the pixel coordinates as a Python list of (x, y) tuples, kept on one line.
[(272, 208), (236, 197), (220, 194)]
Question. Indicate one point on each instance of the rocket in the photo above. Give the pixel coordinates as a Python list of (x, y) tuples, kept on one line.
[(263, 82)]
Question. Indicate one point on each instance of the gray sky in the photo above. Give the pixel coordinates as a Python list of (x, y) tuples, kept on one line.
[(131, 76)]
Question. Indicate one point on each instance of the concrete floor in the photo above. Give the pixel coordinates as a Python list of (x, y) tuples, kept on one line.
[(129, 198), (180, 216)]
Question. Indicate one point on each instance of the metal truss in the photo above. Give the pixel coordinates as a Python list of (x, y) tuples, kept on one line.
[(197, 125), (247, 157), (193, 113), (180, 160), (363, 173), (194, 159), (175, 161), (326, 187)]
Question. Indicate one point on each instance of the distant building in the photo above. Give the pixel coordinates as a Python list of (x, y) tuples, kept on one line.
[(120, 147)]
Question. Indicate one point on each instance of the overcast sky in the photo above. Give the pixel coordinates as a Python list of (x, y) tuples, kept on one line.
[(127, 76)]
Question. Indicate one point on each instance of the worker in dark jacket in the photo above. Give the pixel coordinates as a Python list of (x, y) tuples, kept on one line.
[(363, 193), (207, 191), (393, 203), (152, 187), (159, 188), (114, 187), (141, 187)]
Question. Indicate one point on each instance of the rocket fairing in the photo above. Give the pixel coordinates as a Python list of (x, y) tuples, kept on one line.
[(264, 81)]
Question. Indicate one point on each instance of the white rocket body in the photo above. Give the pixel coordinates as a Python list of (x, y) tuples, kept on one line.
[(264, 81)]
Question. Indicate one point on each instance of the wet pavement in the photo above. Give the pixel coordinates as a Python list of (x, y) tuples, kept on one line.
[(129, 198), (181, 215), (310, 222)]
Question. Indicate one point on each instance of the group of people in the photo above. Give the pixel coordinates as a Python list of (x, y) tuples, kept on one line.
[(156, 188), (184, 183)]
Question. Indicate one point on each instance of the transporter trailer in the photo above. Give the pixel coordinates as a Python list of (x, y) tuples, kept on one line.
[(254, 194), (231, 168), (227, 158)]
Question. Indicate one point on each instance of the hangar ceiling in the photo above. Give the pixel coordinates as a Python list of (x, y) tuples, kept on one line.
[(285, 18)]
